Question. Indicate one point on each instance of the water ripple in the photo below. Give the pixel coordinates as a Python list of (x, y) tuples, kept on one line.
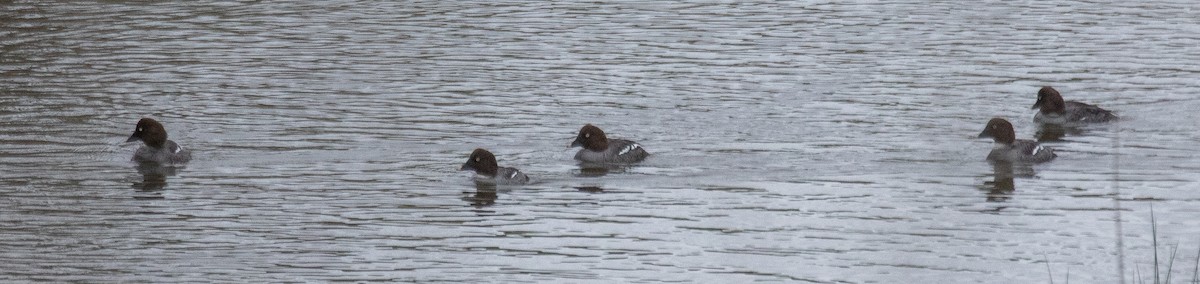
[(796, 141)]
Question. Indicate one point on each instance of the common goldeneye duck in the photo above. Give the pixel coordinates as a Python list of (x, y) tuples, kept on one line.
[(597, 148), (487, 171), (157, 148), (1010, 149), (1056, 111)]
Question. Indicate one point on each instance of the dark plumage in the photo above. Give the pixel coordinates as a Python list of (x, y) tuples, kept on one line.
[(1053, 110), (597, 148), (157, 148), (488, 171), (1009, 148)]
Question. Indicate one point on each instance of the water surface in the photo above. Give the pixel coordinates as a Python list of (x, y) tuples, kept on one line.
[(801, 142)]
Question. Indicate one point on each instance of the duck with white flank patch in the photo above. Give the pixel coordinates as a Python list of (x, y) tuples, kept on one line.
[(487, 171), (1009, 148), (597, 148), (1053, 110), (157, 148)]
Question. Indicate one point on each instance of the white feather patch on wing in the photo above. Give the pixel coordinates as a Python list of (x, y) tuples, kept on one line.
[(1036, 150), (631, 147), (513, 175), (178, 149)]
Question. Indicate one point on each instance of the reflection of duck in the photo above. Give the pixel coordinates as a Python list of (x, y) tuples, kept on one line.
[(600, 169), (1001, 187), (485, 195), (1055, 132), (595, 170), (1049, 132), (154, 176), (590, 189)]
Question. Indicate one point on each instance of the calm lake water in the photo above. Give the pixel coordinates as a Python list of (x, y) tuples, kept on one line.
[(799, 142)]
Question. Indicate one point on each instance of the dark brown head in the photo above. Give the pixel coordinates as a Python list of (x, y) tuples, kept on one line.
[(999, 130), (482, 162), (150, 132), (591, 138), (1050, 101)]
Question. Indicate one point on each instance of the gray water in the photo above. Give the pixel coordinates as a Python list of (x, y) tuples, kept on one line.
[(799, 142)]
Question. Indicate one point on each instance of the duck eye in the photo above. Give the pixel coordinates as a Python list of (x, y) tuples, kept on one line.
[(139, 129), (476, 159), (587, 135)]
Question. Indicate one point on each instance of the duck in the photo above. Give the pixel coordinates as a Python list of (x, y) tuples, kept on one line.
[(598, 148), (1053, 110), (488, 171), (1010, 149), (156, 147)]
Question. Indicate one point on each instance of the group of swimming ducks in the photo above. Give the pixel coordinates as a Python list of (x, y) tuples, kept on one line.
[(1052, 110), (599, 149)]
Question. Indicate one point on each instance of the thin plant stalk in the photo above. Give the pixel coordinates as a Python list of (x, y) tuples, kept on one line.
[(1154, 241), (1116, 185), (1048, 272), (1171, 263), (1196, 268), (1137, 273)]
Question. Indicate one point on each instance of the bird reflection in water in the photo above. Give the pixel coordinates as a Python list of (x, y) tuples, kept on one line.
[(590, 189), (1049, 132), (1001, 187), (485, 195), (599, 170), (154, 176), (592, 172), (1055, 132)]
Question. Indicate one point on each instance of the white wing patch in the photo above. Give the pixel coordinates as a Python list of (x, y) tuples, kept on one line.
[(631, 147), (1036, 150), (177, 149), (513, 175)]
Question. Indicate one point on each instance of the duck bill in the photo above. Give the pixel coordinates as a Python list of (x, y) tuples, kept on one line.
[(1037, 105), (132, 138), (466, 167), (576, 143), (985, 134)]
